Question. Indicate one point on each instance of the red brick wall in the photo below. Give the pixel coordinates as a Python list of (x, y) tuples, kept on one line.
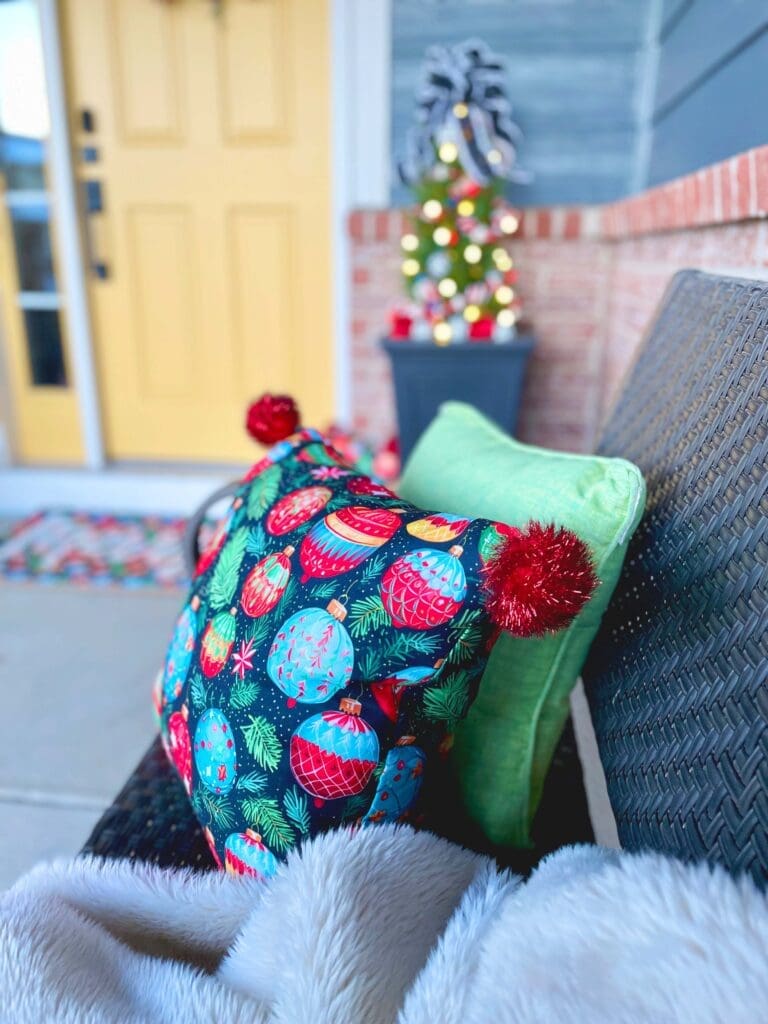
[(590, 280)]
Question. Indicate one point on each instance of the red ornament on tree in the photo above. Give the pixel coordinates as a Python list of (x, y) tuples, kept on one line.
[(481, 330), (400, 326), (271, 418)]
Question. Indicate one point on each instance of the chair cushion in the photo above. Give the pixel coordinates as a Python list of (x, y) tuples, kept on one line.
[(467, 465), (677, 677)]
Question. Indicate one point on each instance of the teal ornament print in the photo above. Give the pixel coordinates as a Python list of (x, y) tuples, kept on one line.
[(181, 651), (399, 784), (312, 657), (215, 752), (246, 854)]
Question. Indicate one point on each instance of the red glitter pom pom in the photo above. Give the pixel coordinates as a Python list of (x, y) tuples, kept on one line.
[(539, 580), (271, 418)]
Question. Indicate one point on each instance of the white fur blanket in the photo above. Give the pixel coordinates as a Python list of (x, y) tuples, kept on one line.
[(386, 926)]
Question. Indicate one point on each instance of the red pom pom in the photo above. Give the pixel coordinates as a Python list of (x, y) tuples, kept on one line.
[(271, 418), (538, 580)]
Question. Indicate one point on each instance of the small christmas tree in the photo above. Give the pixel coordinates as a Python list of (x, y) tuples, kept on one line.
[(458, 272)]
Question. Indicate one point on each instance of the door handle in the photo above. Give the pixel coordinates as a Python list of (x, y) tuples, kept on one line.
[(94, 210)]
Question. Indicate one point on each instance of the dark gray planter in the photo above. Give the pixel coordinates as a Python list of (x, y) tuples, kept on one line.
[(483, 374)]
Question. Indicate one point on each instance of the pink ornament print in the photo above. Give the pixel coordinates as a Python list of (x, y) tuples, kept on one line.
[(424, 588)]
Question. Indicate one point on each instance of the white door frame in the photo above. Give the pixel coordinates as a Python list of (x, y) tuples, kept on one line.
[(71, 265), (360, 55)]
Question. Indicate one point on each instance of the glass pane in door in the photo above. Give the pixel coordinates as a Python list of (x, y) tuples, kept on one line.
[(24, 130)]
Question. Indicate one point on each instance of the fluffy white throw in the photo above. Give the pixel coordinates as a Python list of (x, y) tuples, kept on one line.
[(386, 926)]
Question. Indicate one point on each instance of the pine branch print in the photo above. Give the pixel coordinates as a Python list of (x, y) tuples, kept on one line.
[(213, 811), (355, 807), (224, 579), (254, 782), (366, 615), (257, 541), (297, 809), (260, 631), (198, 693), (262, 742), (264, 814), (404, 645), (263, 491), (368, 668), (448, 702), (243, 693), (372, 569), (464, 636), (324, 591)]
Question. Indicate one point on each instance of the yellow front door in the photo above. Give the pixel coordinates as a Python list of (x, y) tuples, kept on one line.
[(206, 129)]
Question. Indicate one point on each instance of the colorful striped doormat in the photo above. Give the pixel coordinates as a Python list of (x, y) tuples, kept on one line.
[(90, 548)]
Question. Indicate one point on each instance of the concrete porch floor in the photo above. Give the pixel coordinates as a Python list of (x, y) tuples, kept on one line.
[(76, 672)]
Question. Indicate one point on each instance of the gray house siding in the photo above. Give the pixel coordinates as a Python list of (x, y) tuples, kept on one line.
[(575, 80), (712, 88)]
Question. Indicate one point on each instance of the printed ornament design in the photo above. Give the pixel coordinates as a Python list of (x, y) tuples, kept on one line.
[(439, 528), (217, 642), (424, 588), (363, 486), (388, 692), (312, 656), (179, 746), (265, 584), (334, 753), (318, 454), (215, 751), (296, 508), (246, 854), (399, 784), (217, 540), (491, 539), (344, 539), (181, 651)]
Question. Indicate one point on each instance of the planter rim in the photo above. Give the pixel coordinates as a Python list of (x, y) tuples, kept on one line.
[(522, 343)]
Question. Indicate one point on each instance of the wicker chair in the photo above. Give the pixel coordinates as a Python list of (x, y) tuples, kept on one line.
[(677, 677)]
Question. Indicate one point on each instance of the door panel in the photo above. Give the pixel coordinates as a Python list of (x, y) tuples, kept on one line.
[(212, 135)]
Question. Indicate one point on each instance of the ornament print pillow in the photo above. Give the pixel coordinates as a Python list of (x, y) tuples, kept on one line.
[(333, 637)]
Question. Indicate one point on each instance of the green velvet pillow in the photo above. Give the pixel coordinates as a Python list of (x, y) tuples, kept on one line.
[(465, 464)]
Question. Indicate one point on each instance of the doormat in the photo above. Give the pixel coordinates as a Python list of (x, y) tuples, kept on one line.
[(90, 548)]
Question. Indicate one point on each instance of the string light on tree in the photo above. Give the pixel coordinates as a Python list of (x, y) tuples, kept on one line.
[(432, 209), (447, 287), (409, 242), (473, 253), (448, 152), (506, 318), (411, 267), (465, 207), (472, 313), (442, 333), (442, 235), (504, 295), (509, 223)]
